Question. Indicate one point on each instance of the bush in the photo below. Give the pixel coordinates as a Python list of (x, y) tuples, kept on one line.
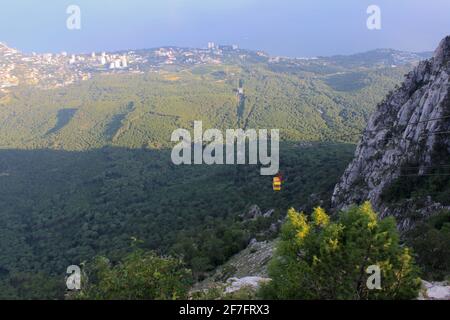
[(431, 241), (140, 276), (319, 259)]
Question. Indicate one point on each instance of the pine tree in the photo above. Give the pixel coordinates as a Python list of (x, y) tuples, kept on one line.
[(321, 259)]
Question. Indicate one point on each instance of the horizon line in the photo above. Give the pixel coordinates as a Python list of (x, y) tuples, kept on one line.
[(203, 48)]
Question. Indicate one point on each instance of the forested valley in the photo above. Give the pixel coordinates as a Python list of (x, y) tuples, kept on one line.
[(85, 170)]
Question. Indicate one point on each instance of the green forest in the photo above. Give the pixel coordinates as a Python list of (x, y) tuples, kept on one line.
[(85, 170)]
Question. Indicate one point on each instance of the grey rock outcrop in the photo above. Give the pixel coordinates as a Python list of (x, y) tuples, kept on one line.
[(253, 213), (253, 283), (403, 135), (435, 291)]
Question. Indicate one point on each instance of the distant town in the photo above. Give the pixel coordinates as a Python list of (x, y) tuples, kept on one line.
[(49, 71), (58, 70)]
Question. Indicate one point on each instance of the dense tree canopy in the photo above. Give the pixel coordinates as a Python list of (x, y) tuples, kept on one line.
[(85, 167)]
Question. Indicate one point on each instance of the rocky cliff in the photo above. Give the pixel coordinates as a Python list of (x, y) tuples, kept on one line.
[(405, 145)]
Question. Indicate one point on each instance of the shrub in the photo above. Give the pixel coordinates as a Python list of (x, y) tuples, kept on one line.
[(431, 241), (140, 276), (320, 259)]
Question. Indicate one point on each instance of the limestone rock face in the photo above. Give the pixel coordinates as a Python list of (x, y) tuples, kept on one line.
[(253, 213), (236, 284), (409, 130), (435, 291)]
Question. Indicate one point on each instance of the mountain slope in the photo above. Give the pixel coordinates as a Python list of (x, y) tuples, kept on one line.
[(402, 162), (86, 166)]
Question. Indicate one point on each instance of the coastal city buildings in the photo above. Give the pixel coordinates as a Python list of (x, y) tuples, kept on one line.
[(55, 70)]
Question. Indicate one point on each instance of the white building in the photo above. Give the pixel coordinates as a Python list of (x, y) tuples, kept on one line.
[(124, 61)]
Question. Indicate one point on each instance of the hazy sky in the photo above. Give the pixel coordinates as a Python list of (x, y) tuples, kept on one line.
[(280, 27)]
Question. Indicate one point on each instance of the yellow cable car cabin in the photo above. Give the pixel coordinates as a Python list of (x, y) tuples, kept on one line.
[(276, 184)]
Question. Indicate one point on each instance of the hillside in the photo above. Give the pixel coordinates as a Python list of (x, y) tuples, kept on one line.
[(85, 167), (401, 166), (134, 110)]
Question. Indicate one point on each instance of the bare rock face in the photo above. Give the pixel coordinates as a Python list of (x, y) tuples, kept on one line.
[(409, 130), (253, 213), (434, 291), (253, 283), (246, 269)]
